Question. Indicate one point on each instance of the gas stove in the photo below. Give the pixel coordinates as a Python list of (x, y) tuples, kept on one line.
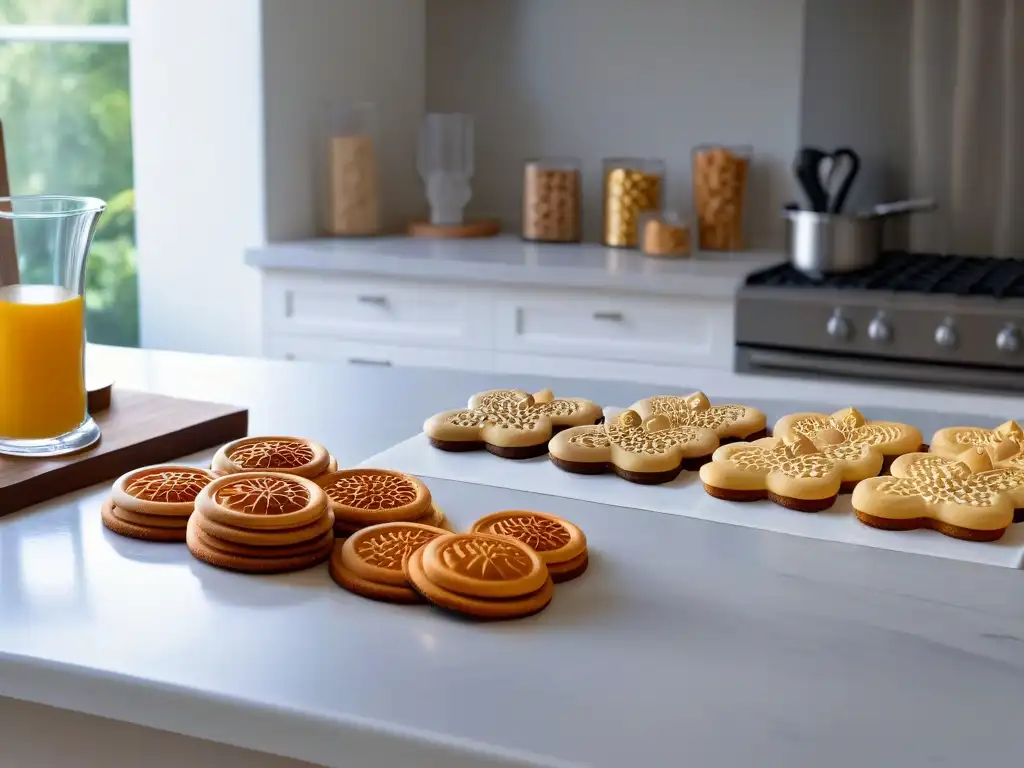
[(951, 321)]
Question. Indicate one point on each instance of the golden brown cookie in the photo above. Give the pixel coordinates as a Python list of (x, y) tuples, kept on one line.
[(262, 500), (262, 550), (281, 537), (149, 521), (376, 553), (860, 447), (728, 422), (219, 558), (559, 543), (483, 566), (643, 451), (360, 497), (475, 607), (292, 455), (510, 423), (133, 531), (950, 442), (570, 569), (166, 490), (964, 498), (387, 593), (796, 475)]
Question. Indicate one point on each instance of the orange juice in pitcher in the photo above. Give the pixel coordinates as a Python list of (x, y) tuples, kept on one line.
[(42, 341), (43, 405)]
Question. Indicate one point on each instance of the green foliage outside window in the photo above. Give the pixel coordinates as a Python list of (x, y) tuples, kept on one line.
[(66, 111)]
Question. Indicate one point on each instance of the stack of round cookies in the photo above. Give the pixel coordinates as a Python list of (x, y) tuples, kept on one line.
[(369, 562), (154, 503), (363, 497), (261, 522), (294, 455), (480, 576), (560, 544)]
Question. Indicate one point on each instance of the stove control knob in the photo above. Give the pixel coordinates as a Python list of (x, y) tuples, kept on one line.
[(1008, 339), (879, 329), (838, 327), (945, 334)]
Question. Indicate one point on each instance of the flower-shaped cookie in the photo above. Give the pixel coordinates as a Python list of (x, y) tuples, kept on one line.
[(795, 474), (953, 441), (965, 498), (729, 422), (848, 436), (509, 423), (647, 451)]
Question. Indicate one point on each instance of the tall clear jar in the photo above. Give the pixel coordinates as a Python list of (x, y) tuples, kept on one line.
[(353, 191), (44, 249), (551, 200), (719, 193), (631, 186)]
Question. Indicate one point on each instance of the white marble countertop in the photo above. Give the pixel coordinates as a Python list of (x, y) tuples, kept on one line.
[(509, 260), (687, 643)]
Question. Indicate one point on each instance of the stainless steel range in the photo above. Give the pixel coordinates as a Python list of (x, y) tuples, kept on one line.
[(923, 318)]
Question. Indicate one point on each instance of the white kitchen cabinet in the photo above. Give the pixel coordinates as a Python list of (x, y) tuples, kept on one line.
[(596, 326), (388, 321)]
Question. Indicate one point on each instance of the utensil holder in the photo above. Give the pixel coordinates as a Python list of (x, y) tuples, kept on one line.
[(631, 186), (719, 193), (445, 161), (551, 200)]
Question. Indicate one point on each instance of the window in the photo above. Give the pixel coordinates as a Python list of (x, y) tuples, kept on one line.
[(66, 111)]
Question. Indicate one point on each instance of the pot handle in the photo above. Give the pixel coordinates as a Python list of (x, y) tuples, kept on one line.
[(903, 207)]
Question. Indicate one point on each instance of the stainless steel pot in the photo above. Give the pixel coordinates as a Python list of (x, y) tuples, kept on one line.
[(829, 243)]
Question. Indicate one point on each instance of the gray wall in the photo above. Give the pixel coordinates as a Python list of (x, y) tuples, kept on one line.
[(856, 89), (598, 78), (319, 53)]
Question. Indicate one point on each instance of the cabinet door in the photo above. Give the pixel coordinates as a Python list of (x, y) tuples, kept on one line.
[(661, 331), (285, 347), (374, 309)]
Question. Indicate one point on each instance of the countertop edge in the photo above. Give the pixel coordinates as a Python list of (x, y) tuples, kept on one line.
[(286, 732), (702, 281)]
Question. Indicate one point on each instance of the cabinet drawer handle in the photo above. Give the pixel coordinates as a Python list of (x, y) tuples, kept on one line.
[(368, 361), (613, 316), (378, 301)]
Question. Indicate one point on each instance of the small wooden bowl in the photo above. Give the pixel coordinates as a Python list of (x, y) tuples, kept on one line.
[(485, 228)]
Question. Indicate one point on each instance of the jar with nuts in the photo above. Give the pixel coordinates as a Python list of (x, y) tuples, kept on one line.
[(665, 234), (551, 200), (353, 205), (631, 186), (719, 191)]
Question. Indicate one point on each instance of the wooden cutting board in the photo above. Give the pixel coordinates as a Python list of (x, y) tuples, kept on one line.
[(138, 429)]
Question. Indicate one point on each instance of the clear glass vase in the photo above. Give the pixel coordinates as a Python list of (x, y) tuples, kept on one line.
[(445, 161), (44, 247)]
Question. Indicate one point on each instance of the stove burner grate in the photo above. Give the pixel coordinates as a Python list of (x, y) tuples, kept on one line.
[(913, 273)]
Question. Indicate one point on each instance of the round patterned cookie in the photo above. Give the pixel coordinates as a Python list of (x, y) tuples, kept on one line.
[(259, 550), (130, 530), (555, 540), (376, 553), (262, 564), (474, 607), (262, 500), (570, 569), (165, 490), (293, 455), (371, 496), (149, 521), (483, 566), (388, 593), (268, 537)]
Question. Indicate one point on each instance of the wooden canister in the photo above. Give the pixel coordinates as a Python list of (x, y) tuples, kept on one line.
[(551, 200)]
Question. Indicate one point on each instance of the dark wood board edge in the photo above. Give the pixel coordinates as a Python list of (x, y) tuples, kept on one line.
[(108, 466)]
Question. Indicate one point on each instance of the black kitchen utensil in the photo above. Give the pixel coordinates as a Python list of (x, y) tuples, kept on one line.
[(838, 183), (806, 168)]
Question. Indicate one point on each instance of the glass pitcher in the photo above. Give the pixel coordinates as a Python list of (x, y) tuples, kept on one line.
[(44, 246)]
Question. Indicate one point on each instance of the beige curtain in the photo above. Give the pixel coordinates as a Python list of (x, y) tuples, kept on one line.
[(967, 125)]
